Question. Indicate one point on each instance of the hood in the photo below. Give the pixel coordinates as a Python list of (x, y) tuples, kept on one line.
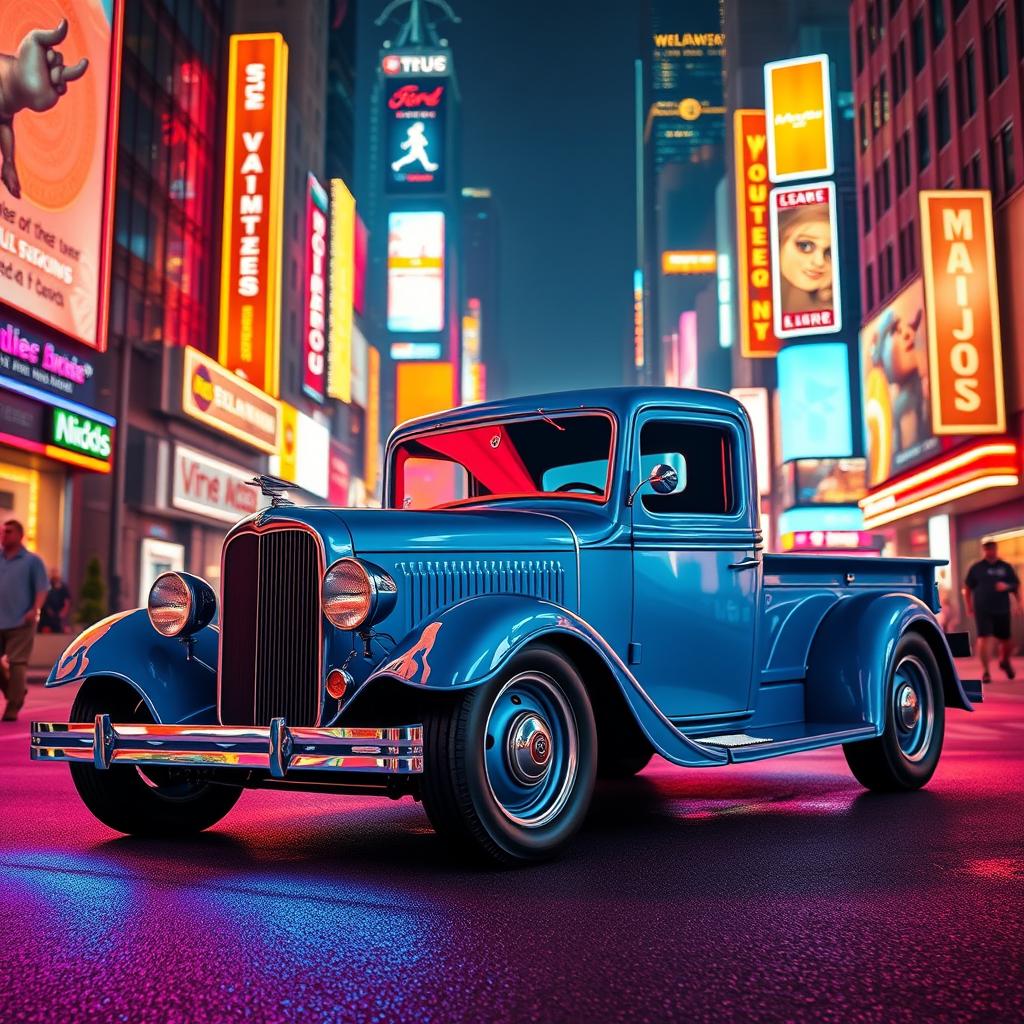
[(487, 531)]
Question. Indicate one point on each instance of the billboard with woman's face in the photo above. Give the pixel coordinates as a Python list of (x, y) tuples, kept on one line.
[(805, 273)]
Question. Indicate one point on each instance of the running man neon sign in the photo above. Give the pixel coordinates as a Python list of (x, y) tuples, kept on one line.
[(415, 115)]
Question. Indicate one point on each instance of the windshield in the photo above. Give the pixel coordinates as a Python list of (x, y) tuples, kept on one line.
[(563, 456)]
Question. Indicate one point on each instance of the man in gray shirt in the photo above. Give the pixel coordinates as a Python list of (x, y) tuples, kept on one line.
[(22, 592)]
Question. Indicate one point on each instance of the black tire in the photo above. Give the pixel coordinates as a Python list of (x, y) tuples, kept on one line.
[(904, 757), (464, 773), (162, 802)]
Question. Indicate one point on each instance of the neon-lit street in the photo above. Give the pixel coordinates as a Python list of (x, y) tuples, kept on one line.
[(760, 892)]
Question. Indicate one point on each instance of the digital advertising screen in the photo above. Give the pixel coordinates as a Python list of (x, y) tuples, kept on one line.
[(814, 389), (965, 347), (58, 112), (415, 135), (896, 386), (416, 271), (798, 104), (805, 271)]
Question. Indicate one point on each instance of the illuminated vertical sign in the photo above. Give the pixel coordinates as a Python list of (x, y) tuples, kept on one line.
[(250, 295), (687, 359), (415, 117), (638, 318), (314, 375), (471, 366), (416, 271), (339, 362), (754, 272), (805, 273), (372, 434), (798, 106), (964, 343)]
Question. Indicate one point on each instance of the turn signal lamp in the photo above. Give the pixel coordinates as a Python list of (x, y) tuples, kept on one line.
[(356, 594)]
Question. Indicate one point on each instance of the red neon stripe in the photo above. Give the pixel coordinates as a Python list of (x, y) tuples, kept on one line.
[(23, 443)]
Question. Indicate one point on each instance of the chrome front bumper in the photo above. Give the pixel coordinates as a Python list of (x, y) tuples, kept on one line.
[(277, 748)]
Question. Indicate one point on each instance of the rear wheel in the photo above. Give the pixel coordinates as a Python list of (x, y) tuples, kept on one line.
[(156, 801), (510, 765), (907, 753)]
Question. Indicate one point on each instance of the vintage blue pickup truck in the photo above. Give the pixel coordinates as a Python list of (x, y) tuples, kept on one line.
[(558, 587)]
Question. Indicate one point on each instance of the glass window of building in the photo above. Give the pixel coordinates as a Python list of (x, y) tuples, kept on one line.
[(865, 206), (1006, 152), (924, 149), (938, 10), (967, 97), (1002, 53), (943, 131), (917, 42)]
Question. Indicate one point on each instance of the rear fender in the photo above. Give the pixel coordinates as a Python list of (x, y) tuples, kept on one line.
[(469, 643), (125, 646), (852, 652)]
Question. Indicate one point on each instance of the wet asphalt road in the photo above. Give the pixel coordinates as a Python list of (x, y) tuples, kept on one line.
[(776, 891)]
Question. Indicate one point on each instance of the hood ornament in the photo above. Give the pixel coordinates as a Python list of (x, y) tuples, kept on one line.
[(273, 488)]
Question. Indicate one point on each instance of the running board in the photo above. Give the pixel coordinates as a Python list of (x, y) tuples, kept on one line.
[(756, 745)]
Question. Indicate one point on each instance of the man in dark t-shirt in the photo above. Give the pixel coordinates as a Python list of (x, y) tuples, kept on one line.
[(987, 590)]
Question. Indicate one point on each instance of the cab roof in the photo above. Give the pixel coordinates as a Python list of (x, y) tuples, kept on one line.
[(622, 401)]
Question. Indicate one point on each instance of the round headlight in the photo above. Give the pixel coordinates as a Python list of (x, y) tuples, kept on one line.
[(356, 594), (180, 604), (170, 604)]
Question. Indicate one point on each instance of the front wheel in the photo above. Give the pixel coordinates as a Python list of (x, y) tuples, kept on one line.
[(907, 753), (510, 765), (156, 801)]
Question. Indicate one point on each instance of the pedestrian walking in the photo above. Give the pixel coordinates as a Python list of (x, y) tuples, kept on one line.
[(22, 592), (987, 590), (56, 606)]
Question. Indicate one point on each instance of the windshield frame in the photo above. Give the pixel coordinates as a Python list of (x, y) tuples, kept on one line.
[(442, 426)]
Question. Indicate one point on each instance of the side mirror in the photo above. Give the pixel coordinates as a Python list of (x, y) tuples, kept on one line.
[(663, 479)]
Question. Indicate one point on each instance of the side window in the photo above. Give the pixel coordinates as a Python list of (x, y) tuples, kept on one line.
[(704, 454)]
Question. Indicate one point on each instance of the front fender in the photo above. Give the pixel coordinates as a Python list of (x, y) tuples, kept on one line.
[(469, 643), (852, 652), (127, 647)]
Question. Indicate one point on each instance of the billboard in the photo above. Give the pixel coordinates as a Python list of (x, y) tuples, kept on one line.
[(209, 487), (314, 335), (415, 135), (895, 385), (754, 280), (250, 291), (371, 459), (56, 168), (212, 395), (422, 389), (805, 275), (964, 343), (798, 105), (304, 457), (343, 226), (360, 368), (416, 271), (814, 401)]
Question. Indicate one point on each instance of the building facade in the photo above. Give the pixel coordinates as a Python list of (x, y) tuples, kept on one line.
[(938, 89)]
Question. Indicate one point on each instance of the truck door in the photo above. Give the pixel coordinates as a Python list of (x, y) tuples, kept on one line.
[(696, 566)]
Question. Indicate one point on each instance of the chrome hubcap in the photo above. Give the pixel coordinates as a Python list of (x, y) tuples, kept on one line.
[(528, 748), (913, 709), (909, 706), (531, 749)]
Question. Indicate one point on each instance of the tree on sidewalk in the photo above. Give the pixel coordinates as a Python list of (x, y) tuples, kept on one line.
[(92, 598)]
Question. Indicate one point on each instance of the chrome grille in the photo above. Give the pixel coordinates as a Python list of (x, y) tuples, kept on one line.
[(433, 585), (271, 640)]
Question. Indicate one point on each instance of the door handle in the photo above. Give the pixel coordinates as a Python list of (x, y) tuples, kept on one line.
[(747, 563)]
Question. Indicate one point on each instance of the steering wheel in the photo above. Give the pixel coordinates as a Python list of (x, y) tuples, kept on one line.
[(577, 484)]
